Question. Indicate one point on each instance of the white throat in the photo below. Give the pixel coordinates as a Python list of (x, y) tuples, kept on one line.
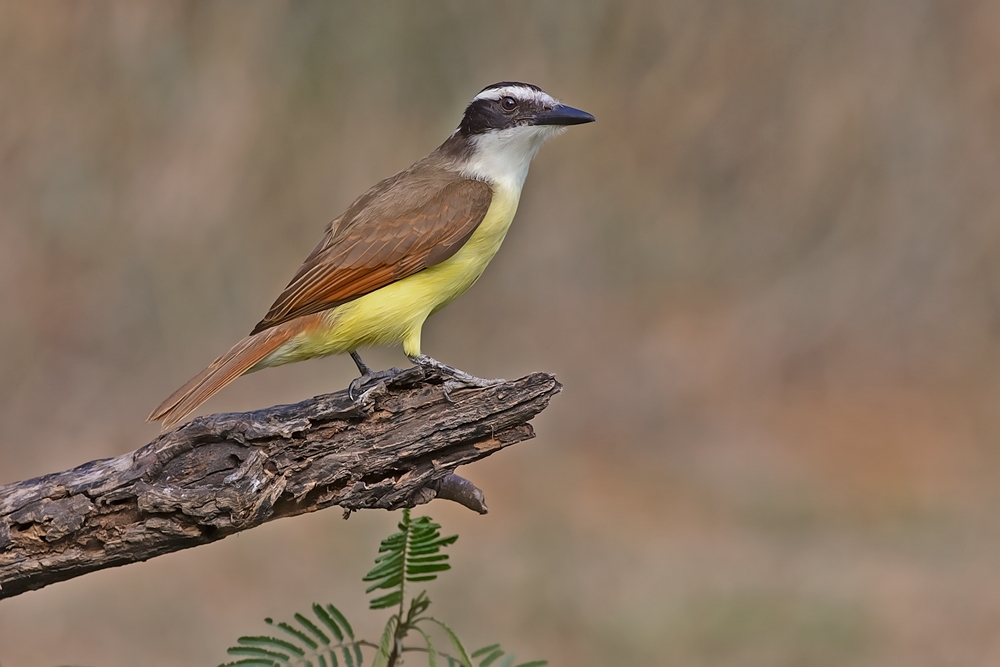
[(501, 158)]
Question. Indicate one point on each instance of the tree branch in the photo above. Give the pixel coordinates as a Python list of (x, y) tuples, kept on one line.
[(224, 473)]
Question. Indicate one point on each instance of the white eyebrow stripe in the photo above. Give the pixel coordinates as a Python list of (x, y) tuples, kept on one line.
[(519, 92)]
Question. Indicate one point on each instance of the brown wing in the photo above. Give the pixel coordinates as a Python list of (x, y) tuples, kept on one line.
[(387, 235)]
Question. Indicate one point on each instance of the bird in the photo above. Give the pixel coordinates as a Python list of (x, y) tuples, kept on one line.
[(407, 247)]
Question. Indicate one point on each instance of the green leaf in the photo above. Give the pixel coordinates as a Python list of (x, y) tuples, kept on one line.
[(386, 601), (260, 653), (463, 656), (390, 565), (295, 632), (385, 644), (392, 544), (312, 628), (484, 650), (385, 568), (273, 642), (432, 654), (328, 621), (431, 567), (491, 658), (390, 582), (424, 550), (508, 661), (534, 663), (335, 613), (418, 606), (250, 662), (414, 558)]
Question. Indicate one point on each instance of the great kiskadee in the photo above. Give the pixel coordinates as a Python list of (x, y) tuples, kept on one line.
[(402, 251)]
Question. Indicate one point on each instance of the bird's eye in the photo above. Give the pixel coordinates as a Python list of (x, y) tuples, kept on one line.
[(508, 103)]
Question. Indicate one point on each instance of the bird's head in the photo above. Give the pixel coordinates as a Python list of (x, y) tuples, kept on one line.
[(511, 106), (505, 125)]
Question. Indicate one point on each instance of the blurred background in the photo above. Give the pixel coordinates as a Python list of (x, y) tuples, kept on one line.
[(769, 278)]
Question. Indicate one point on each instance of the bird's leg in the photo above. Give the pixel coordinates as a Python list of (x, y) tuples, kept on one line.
[(462, 377), (367, 375), (360, 363)]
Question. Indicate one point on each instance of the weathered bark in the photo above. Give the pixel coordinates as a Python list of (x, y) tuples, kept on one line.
[(224, 473)]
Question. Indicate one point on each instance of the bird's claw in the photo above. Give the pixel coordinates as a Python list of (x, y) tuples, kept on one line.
[(371, 376), (458, 377)]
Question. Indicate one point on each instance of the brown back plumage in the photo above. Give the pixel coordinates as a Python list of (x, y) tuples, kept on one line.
[(399, 227), (404, 224)]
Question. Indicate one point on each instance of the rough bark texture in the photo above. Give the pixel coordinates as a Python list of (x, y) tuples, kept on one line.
[(224, 473)]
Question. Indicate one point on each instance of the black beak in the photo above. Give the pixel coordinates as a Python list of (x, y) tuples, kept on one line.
[(561, 114)]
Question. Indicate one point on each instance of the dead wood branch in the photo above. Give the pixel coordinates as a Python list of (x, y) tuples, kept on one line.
[(224, 473)]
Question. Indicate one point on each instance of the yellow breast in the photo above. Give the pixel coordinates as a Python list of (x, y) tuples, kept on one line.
[(395, 313)]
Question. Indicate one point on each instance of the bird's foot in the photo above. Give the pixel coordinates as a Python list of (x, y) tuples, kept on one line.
[(458, 376), (354, 390)]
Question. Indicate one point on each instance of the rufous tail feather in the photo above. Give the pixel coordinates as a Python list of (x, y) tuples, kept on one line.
[(241, 358)]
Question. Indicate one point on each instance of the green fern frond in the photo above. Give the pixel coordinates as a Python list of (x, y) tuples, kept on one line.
[(326, 638), (488, 656), (306, 644), (413, 554)]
